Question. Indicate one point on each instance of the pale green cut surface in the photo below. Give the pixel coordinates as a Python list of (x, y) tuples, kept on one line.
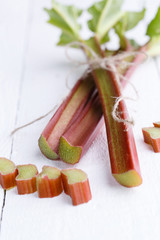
[(153, 131), (45, 149), (75, 175), (51, 172), (128, 179), (68, 153), (6, 166), (26, 171)]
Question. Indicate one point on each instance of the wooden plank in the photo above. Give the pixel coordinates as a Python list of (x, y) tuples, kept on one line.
[(12, 45), (12, 29)]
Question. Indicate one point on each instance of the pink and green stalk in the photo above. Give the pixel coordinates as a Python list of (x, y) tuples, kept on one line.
[(77, 139), (66, 114), (122, 149)]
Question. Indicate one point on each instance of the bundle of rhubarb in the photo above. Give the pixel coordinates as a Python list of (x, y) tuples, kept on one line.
[(77, 121)]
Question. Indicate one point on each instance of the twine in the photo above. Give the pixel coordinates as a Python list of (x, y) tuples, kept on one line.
[(37, 119)]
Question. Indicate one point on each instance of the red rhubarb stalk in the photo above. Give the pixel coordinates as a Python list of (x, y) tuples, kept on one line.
[(49, 183), (64, 117), (76, 185), (26, 179), (121, 143), (8, 173), (136, 61), (77, 139)]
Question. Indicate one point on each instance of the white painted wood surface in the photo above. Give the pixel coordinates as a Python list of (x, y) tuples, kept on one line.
[(32, 80)]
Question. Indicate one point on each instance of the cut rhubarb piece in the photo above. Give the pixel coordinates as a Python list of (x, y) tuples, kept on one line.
[(152, 136), (77, 139), (65, 116), (8, 173), (156, 124), (49, 183), (76, 185), (26, 179)]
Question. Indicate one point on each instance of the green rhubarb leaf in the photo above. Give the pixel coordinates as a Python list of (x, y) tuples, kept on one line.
[(105, 39), (105, 14), (66, 38), (153, 47), (153, 31), (129, 21), (154, 26), (65, 18), (133, 18)]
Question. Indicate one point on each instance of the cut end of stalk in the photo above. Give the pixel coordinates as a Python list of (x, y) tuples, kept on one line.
[(49, 172), (154, 132), (46, 150), (68, 153), (156, 124), (128, 179), (26, 172), (6, 166), (74, 175)]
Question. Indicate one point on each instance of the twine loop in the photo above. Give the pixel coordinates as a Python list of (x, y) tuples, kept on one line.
[(110, 64)]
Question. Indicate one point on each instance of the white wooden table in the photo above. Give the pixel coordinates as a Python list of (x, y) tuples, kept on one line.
[(32, 80)]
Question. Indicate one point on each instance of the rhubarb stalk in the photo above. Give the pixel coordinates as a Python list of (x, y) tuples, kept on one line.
[(65, 116), (8, 173), (77, 139), (122, 149)]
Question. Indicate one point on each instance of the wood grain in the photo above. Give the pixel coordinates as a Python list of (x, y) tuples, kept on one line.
[(32, 80)]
